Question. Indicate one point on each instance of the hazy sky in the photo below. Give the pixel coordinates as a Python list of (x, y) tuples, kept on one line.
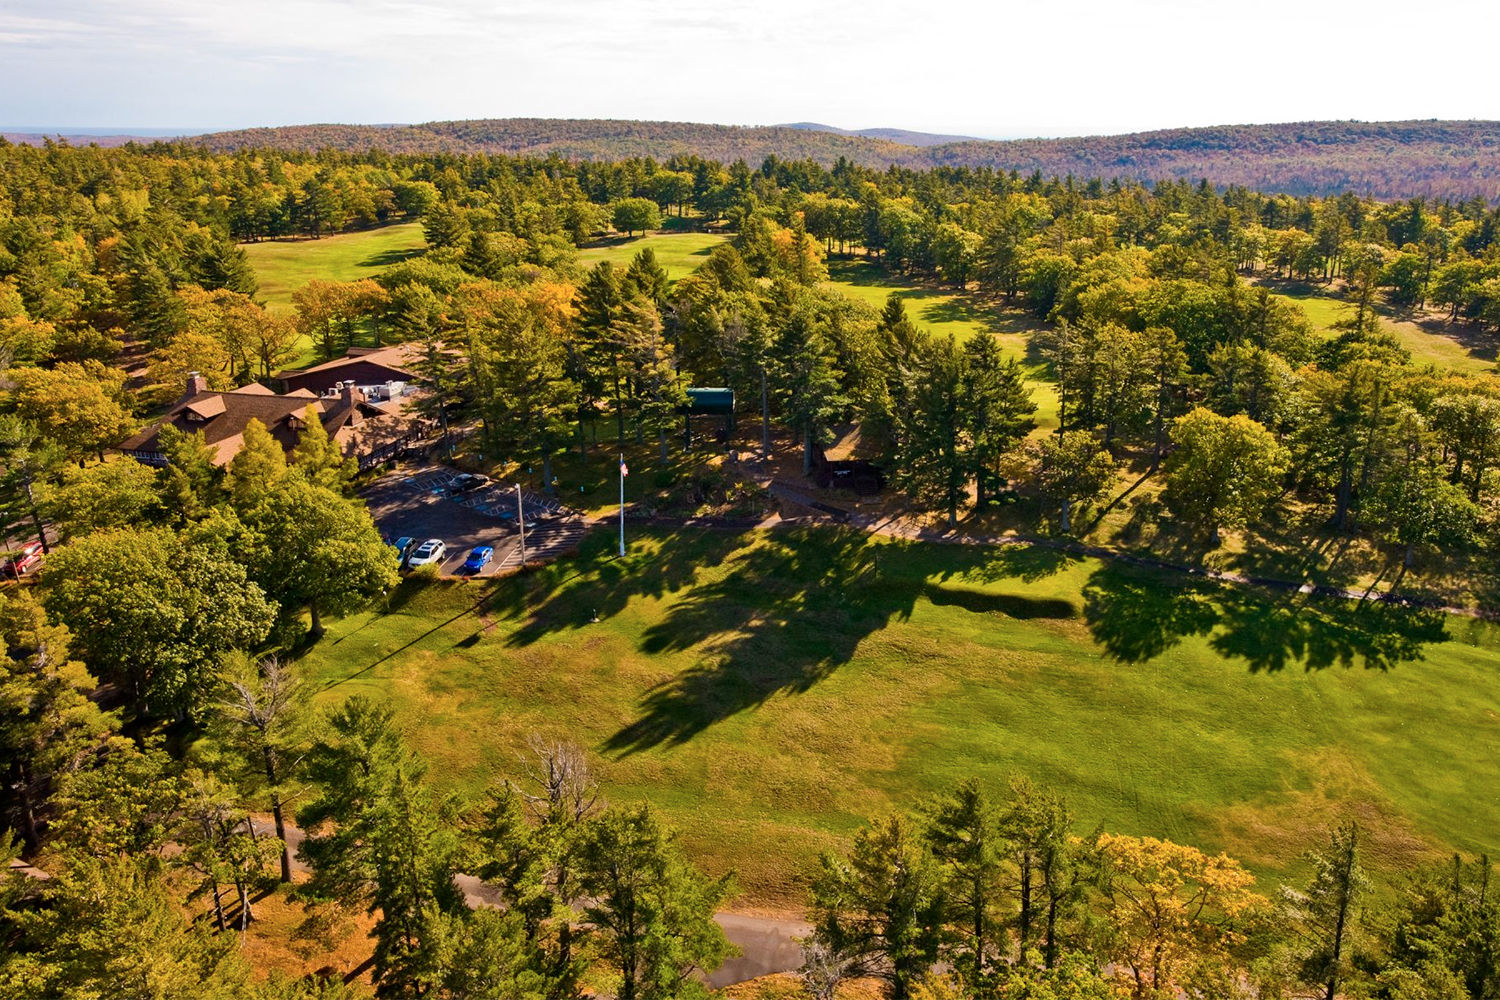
[(1004, 68)]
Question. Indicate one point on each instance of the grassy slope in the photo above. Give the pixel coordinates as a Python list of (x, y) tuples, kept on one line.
[(768, 691), (1425, 346), (945, 312), (284, 266), (679, 253)]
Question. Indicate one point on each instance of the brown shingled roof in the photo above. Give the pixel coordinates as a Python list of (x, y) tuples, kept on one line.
[(221, 418), (362, 366)]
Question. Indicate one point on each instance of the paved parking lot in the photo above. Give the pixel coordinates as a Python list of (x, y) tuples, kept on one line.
[(418, 503)]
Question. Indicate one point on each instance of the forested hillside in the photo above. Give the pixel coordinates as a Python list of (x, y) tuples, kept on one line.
[(1195, 415), (1442, 159)]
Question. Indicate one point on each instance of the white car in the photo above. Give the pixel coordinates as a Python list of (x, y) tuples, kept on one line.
[(431, 551)]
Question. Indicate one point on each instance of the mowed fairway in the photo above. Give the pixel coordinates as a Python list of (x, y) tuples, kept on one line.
[(283, 266), (948, 312), (769, 690), (1426, 347), (679, 253)]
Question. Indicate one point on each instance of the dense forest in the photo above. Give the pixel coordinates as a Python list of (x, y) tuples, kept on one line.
[(178, 588), (1435, 159)]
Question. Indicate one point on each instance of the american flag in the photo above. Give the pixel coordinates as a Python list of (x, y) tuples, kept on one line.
[(624, 469)]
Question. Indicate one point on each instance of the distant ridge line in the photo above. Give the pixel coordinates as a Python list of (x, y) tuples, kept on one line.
[(1456, 160)]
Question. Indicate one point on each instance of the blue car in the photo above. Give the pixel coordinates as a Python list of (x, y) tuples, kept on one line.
[(479, 558)]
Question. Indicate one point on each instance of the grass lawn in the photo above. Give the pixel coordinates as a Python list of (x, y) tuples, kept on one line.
[(949, 312), (679, 253), (1426, 346), (769, 690), (283, 266)]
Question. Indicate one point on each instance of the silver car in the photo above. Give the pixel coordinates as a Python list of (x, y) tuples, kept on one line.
[(431, 551)]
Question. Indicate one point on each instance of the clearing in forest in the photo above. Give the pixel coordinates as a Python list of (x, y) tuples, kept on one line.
[(949, 311), (1427, 336), (283, 266), (769, 690), (679, 253)]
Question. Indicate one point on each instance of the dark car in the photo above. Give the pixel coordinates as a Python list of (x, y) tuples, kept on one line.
[(20, 562), (403, 547), (479, 558), (468, 483)]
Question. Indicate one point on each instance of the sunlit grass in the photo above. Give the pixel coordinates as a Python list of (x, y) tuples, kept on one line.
[(768, 691), (679, 253)]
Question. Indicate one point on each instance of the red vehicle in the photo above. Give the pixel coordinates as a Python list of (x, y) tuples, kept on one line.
[(23, 560)]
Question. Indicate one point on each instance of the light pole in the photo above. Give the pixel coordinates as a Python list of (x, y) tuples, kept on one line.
[(521, 523), (623, 473)]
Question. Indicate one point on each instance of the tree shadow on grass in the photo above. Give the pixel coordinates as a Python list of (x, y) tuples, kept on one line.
[(1027, 562), (1137, 615), (956, 310), (1321, 632), (786, 616), (600, 584), (387, 258)]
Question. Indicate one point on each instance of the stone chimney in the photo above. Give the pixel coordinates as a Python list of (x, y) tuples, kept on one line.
[(196, 384), (351, 396)]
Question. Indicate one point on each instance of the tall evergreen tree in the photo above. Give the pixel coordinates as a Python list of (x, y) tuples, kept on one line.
[(652, 908), (1324, 914)]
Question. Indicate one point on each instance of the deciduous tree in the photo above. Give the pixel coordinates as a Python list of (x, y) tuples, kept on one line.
[(1223, 470)]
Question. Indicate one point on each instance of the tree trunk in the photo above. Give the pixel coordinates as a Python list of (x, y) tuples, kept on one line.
[(807, 451), (765, 416), (619, 412), (36, 518), (1024, 925), (245, 914), (28, 807), (978, 889), (661, 436), (1049, 951), (980, 466), (316, 631), (286, 849), (547, 486), (1067, 520)]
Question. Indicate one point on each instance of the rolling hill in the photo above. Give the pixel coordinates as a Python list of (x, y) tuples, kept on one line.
[(904, 136), (1442, 159)]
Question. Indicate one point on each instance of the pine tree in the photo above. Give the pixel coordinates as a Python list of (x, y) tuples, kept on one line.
[(524, 364), (261, 717), (654, 911), (997, 407), (317, 458), (963, 831), (383, 842), (645, 278), (807, 384), (190, 483), (256, 468), (48, 724), (932, 453), (882, 905), (1324, 913)]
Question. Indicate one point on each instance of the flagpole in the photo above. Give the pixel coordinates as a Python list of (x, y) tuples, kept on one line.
[(622, 505)]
